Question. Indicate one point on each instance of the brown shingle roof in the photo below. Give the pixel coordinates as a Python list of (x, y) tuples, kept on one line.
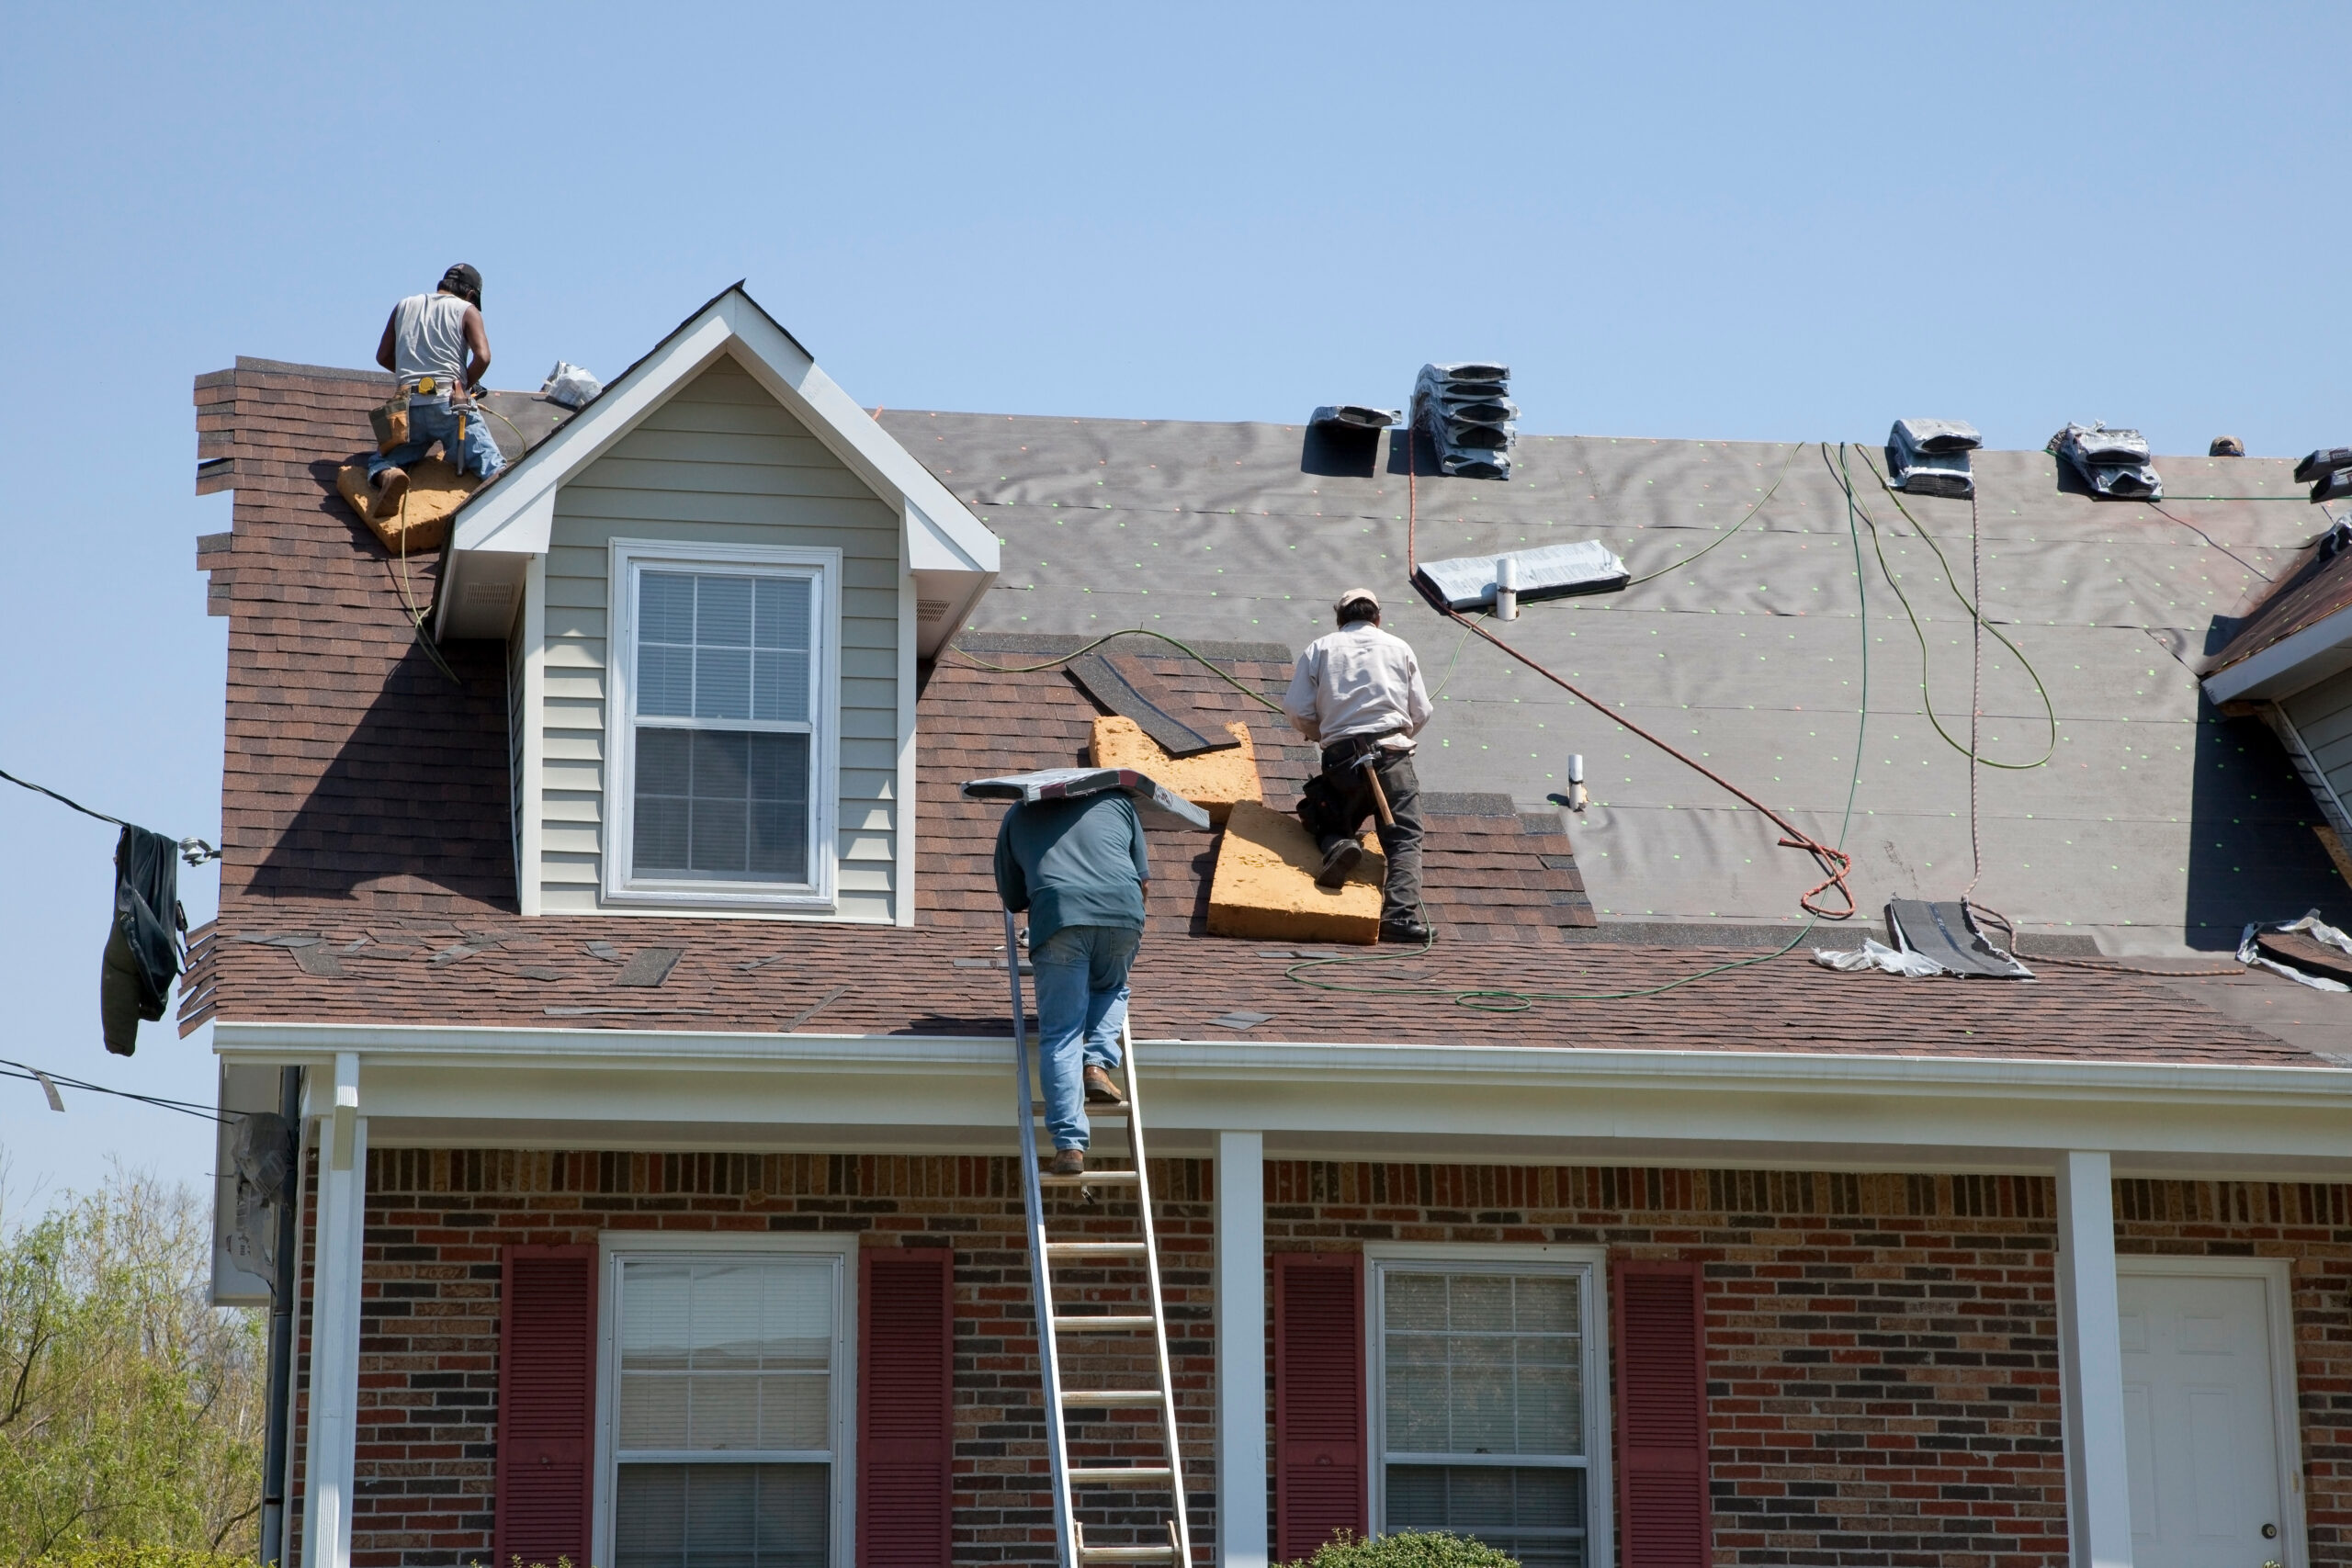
[(366, 803)]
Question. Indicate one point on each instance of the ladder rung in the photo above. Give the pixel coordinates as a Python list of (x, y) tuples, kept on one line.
[(1110, 1398), (1093, 1249), (1093, 1112), (1127, 1554), (1101, 1325), (1092, 1178), (1122, 1475)]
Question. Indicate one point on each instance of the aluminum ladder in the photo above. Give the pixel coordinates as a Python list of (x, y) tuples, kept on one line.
[(1143, 1255)]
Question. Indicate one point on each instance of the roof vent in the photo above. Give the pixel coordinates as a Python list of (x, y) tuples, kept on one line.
[(1351, 419), (1929, 457), (1467, 411), (2328, 471), (2114, 463)]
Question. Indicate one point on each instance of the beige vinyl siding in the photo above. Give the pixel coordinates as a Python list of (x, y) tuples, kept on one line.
[(721, 462)]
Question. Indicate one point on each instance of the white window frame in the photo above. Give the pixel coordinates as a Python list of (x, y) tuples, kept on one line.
[(615, 1247), (628, 559), (1589, 1266)]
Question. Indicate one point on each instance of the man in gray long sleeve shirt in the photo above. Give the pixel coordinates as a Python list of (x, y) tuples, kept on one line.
[(1359, 691), (1078, 867)]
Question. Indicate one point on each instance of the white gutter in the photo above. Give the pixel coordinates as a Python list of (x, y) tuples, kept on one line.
[(2278, 671)]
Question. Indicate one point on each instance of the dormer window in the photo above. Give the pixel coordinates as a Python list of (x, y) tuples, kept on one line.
[(721, 726)]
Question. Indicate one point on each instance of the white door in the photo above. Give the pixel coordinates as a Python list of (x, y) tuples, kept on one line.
[(2201, 1435)]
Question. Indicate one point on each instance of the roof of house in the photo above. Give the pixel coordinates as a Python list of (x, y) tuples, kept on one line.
[(2309, 587), (366, 794)]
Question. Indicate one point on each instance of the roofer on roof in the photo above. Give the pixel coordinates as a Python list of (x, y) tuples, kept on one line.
[(1359, 691), (1078, 867), (437, 347)]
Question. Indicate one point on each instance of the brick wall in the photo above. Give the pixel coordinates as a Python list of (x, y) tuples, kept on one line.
[(1882, 1354), (1883, 1375), (429, 1317)]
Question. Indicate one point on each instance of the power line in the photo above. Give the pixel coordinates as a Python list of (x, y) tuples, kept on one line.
[(49, 1083), (195, 852)]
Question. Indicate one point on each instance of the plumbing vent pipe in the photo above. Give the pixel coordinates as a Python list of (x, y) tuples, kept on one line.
[(1505, 588)]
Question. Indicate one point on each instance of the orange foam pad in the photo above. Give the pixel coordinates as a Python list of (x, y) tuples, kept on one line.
[(1264, 884), (436, 491), (1211, 780)]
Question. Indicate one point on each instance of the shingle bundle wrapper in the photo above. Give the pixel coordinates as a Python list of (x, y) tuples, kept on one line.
[(1070, 783), (1467, 411), (1354, 418), (1929, 457), (1555, 571), (2114, 463), (2328, 471)]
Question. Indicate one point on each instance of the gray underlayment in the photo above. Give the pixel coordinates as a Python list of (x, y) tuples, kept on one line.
[(2156, 821)]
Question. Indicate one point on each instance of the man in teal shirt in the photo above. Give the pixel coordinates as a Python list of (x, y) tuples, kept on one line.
[(1078, 867)]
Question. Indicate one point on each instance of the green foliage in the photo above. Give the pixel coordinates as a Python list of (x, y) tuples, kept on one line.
[(1409, 1549), (130, 1408)]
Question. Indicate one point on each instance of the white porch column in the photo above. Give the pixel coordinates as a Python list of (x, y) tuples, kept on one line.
[(334, 1323), (1242, 1350), (2090, 1358)]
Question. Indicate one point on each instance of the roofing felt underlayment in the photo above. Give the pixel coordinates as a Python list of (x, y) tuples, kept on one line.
[(2154, 821)]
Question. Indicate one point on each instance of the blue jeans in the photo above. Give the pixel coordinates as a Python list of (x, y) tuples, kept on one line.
[(431, 419), (1082, 974)]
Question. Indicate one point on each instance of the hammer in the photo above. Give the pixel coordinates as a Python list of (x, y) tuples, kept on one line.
[(1379, 795)]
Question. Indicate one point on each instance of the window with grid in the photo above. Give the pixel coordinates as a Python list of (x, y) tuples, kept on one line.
[(725, 1423), (723, 726), (1481, 1405)]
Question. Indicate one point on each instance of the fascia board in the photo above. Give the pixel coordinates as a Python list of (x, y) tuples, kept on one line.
[(1220, 1060), (2286, 667), (517, 513), (851, 433)]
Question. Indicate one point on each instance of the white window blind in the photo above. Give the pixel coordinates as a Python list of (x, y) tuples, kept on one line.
[(1482, 1412), (727, 1414)]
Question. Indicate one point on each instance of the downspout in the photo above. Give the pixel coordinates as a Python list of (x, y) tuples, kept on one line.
[(276, 1468)]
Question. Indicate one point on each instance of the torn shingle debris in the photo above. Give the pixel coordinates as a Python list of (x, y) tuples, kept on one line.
[(649, 967)]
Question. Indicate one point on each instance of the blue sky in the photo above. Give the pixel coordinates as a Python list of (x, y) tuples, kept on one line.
[(1696, 221)]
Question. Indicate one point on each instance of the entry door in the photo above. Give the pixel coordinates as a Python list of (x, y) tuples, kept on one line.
[(2201, 1435)]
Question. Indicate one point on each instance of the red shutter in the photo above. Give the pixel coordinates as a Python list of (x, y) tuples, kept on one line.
[(905, 1361), (547, 1404), (1320, 1463), (1662, 1415)]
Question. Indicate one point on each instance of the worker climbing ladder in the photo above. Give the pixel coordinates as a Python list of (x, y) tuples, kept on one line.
[(1164, 1468)]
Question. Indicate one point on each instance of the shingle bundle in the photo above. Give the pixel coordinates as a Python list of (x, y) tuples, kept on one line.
[(1467, 412), (2328, 471), (2114, 463), (1929, 457)]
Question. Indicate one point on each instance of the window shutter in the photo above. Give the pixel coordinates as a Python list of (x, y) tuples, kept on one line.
[(547, 1404), (1320, 1438), (1662, 1414), (906, 1314)]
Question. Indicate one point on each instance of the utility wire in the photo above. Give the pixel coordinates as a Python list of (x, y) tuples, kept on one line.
[(195, 852), (51, 1081)]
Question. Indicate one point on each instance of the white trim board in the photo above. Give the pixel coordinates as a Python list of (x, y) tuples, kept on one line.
[(953, 552)]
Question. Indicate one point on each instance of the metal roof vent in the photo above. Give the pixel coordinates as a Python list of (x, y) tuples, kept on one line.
[(2114, 463), (1467, 411), (1929, 457)]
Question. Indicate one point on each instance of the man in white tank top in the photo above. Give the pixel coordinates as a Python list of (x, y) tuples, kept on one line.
[(438, 348)]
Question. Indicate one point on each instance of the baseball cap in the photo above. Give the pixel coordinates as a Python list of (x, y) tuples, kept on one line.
[(1355, 596)]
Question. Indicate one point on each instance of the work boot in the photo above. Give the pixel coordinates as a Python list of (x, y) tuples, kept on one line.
[(1100, 1089), (1069, 1162), (1407, 928), (392, 489), (1338, 861)]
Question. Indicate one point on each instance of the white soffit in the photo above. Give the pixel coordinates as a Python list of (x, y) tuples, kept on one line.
[(946, 542)]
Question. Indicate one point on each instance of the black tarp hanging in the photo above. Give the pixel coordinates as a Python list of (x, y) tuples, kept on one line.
[(142, 956)]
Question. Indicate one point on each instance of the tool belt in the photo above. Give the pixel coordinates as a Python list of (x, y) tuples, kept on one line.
[(389, 423), (1344, 756)]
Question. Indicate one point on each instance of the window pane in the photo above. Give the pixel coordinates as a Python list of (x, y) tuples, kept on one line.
[(781, 687), (724, 1411), (1537, 1516), (793, 1413), (1415, 1301), (726, 1319), (778, 847), (727, 1315), (1482, 1388), (722, 1516), (722, 611), (653, 1411), (722, 784), (665, 682), (656, 1309), (784, 613), (1479, 1302), (723, 683), (666, 607)]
